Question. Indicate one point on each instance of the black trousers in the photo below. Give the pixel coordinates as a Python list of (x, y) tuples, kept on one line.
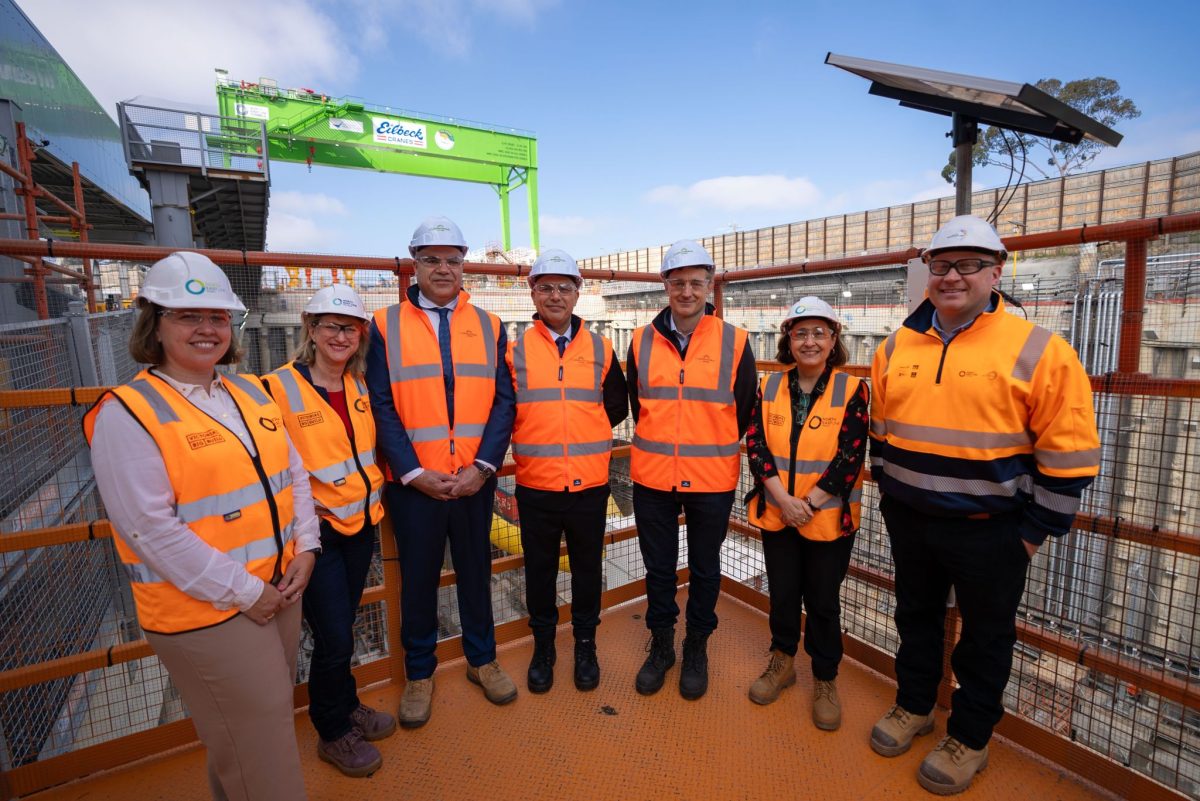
[(545, 518), (657, 516), (985, 561), (808, 573)]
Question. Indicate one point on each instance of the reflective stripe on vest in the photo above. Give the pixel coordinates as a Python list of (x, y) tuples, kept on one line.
[(815, 449), (344, 482), (415, 371), (562, 439), (226, 495), (687, 436)]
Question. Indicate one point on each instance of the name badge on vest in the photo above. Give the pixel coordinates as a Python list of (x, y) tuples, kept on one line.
[(229, 518)]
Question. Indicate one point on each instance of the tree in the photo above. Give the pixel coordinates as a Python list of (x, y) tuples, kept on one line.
[(1099, 98)]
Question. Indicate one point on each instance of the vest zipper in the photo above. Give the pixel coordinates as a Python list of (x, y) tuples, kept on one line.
[(942, 361), (562, 394)]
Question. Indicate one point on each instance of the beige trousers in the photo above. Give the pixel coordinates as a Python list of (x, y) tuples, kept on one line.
[(236, 680)]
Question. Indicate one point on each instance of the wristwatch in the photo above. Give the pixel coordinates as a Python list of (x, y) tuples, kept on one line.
[(484, 469)]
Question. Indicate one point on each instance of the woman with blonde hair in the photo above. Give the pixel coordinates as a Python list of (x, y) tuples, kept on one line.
[(214, 524), (327, 412)]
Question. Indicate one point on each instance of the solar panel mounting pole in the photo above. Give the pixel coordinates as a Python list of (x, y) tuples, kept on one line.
[(964, 133)]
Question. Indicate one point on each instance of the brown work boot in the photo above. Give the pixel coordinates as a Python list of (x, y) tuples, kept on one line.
[(374, 725), (779, 675), (416, 703), (950, 767), (894, 733), (827, 707), (350, 754), (496, 684)]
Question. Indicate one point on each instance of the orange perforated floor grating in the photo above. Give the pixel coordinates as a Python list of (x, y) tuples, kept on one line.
[(612, 743)]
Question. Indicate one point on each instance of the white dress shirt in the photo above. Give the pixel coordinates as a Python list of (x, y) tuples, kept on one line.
[(140, 501)]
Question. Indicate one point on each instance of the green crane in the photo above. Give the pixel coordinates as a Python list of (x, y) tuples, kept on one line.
[(307, 127)]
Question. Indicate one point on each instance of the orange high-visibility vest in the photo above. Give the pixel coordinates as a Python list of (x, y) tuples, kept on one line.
[(816, 448), (238, 503), (341, 468), (562, 439), (415, 371), (687, 430)]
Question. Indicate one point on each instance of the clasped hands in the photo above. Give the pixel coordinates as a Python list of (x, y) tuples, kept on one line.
[(445, 486)]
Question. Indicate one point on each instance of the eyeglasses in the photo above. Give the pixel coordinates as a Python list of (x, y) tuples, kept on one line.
[(454, 262), (549, 289), (678, 284), (817, 334), (962, 266), (196, 319), (333, 329)]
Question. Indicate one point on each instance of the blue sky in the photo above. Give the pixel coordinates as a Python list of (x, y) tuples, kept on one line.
[(655, 121)]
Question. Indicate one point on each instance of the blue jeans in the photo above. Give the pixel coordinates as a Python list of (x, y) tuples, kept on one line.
[(657, 516), (330, 606)]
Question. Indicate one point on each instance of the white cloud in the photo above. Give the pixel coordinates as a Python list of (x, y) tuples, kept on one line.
[(168, 49), (553, 225), (446, 26), (295, 233), (306, 204), (776, 193)]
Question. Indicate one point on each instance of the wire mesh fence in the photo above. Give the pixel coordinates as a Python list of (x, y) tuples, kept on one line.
[(1123, 598)]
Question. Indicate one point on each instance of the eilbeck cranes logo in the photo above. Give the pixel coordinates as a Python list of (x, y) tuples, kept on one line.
[(403, 133)]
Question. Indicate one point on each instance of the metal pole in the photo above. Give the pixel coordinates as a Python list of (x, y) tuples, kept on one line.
[(965, 134)]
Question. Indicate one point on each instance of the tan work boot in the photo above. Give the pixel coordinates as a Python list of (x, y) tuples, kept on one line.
[(894, 733), (496, 684), (950, 767), (827, 707), (416, 703), (779, 675)]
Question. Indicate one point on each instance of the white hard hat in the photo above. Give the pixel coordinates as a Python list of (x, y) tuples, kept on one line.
[(810, 307), (967, 232), (337, 299), (437, 231), (555, 262), (186, 280), (685, 253)]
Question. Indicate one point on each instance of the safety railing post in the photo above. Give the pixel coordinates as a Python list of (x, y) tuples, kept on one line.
[(83, 361), (1133, 308)]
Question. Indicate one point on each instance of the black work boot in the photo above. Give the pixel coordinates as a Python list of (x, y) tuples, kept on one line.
[(661, 650), (541, 667), (693, 678), (587, 668)]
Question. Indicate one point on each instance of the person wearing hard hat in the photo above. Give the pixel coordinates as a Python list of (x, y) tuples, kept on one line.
[(982, 439), (444, 407), (570, 393), (214, 523), (326, 412), (806, 445), (692, 383)]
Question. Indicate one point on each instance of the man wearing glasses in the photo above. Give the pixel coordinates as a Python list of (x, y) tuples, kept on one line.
[(570, 394), (982, 439), (692, 385), (443, 403)]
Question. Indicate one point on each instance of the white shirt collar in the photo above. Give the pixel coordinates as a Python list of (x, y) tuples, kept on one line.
[(428, 305)]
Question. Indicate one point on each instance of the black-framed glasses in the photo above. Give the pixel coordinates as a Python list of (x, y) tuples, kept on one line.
[(566, 288), (194, 319), (333, 329), (454, 262), (962, 266)]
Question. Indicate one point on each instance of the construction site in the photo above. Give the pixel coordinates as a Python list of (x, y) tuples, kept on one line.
[(1104, 695)]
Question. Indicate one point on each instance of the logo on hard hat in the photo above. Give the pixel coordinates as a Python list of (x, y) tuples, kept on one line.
[(344, 302), (799, 309), (194, 286), (439, 227), (685, 249), (961, 233)]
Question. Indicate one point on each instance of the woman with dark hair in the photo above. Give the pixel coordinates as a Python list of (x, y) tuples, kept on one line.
[(806, 442), (327, 413), (214, 523)]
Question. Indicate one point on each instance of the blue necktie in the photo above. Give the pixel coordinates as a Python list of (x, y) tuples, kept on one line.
[(562, 345), (447, 360)]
